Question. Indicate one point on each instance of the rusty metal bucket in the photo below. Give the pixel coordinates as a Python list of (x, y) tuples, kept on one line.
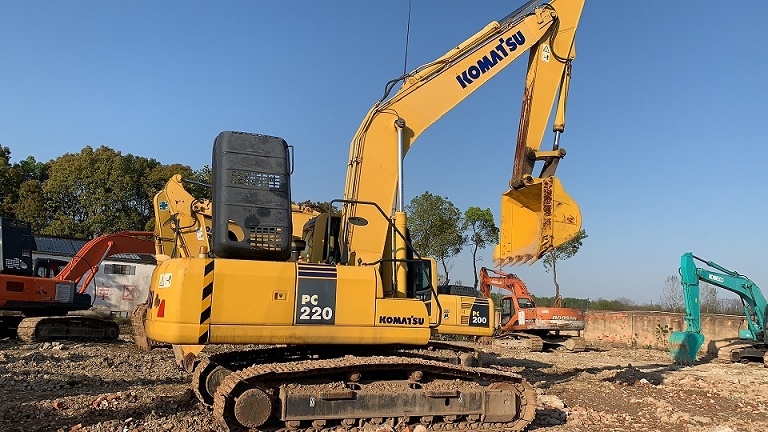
[(683, 346), (534, 220)]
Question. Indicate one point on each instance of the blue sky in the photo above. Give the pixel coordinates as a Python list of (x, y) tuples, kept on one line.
[(664, 128)]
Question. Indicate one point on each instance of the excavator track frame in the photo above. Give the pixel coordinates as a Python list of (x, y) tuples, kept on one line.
[(67, 327), (519, 340), (266, 393), (210, 370)]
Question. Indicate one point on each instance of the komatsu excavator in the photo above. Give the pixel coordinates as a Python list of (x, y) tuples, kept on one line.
[(523, 324), (36, 296), (684, 346), (350, 307)]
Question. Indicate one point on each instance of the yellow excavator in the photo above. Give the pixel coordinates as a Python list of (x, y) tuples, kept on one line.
[(348, 308)]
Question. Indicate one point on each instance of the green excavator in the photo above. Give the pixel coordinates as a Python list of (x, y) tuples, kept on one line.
[(684, 346)]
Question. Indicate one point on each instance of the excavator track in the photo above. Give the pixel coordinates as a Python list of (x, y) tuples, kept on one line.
[(575, 344), (211, 370), (358, 391), (725, 353), (77, 327), (527, 341), (140, 338)]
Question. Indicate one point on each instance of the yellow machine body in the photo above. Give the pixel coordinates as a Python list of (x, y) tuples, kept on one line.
[(225, 301), (463, 315)]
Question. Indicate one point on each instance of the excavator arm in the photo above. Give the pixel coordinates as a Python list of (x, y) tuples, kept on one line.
[(506, 281), (90, 256), (537, 214), (182, 222), (685, 345)]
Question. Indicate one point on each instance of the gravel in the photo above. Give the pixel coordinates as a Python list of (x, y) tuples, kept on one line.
[(68, 386)]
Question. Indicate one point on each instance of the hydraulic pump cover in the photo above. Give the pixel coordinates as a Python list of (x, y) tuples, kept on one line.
[(251, 197), (16, 245)]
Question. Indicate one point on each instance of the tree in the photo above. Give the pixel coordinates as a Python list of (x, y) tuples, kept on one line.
[(497, 297), (33, 170), (30, 206), (731, 306), (482, 232), (100, 191), (10, 180), (672, 294), (560, 253), (708, 298), (319, 206), (435, 227)]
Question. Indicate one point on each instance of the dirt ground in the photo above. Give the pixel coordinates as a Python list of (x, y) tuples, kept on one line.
[(114, 387)]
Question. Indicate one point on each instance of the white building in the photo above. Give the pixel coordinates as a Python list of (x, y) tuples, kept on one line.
[(121, 282)]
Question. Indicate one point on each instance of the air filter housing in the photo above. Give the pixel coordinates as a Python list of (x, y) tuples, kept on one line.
[(251, 197)]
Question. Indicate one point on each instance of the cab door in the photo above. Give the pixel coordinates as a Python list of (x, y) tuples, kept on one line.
[(507, 310)]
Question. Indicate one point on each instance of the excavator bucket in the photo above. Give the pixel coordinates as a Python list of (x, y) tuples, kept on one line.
[(683, 346), (534, 220)]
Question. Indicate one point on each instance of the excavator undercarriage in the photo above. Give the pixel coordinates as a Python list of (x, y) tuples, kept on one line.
[(537, 343), (354, 386)]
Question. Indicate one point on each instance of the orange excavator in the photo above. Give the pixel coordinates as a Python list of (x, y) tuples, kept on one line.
[(523, 324), (36, 296)]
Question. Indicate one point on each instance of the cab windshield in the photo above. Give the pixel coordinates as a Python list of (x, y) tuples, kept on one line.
[(525, 303)]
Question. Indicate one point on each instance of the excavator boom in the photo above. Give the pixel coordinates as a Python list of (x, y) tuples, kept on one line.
[(90, 256), (537, 214)]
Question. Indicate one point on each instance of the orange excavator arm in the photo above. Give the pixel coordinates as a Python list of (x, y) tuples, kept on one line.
[(90, 256), (506, 281)]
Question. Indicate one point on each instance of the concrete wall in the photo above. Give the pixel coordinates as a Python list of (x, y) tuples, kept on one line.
[(652, 329)]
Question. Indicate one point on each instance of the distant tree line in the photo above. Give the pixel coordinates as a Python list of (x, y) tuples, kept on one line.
[(672, 298), (85, 194)]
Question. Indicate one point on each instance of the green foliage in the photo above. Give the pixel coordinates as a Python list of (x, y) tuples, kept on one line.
[(30, 205), (564, 251), (435, 226), (619, 304), (496, 297), (482, 232), (99, 191), (10, 180), (33, 170), (86, 194), (319, 206)]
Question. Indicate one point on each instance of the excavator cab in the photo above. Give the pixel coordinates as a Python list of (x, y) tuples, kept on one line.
[(534, 220), (49, 267)]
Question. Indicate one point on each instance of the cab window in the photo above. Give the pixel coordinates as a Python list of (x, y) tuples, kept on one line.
[(525, 303)]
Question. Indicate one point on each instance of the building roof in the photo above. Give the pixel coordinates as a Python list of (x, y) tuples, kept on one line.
[(69, 247), (58, 245)]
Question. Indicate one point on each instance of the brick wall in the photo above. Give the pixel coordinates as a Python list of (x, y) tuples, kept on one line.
[(652, 329)]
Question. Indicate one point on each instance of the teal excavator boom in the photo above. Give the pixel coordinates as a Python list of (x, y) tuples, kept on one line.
[(683, 346)]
